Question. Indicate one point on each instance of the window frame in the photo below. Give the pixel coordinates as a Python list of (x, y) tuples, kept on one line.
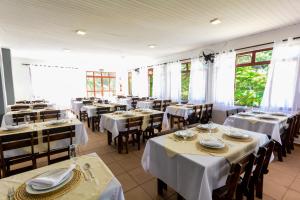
[(101, 77), (187, 71), (150, 76)]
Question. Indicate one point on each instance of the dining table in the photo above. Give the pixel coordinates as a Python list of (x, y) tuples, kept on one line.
[(95, 183), (49, 105), (114, 123), (81, 136), (190, 168), (7, 118), (148, 104), (269, 123), (125, 101), (181, 110)]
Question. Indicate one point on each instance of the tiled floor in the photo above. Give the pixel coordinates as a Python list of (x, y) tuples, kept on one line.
[(282, 182)]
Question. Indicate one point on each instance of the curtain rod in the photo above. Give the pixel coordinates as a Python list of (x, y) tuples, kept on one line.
[(238, 49)]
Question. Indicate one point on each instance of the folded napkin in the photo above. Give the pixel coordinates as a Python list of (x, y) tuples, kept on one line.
[(52, 179), (9, 127), (212, 142), (237, 134)]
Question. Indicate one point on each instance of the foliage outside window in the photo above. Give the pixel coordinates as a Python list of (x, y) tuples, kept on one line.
[(99, 84), (185, 80), (251, 76), (129, 83), (150, 81)]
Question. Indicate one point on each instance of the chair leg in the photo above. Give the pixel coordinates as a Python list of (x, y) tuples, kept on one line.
[(109, 138), (279, 153), (138, 137), (259, 187), (120, 144), (126, 143), (179, 197), (160, 187)]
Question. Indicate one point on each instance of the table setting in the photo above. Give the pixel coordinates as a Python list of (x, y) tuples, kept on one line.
[(83, 177), (205, 151)]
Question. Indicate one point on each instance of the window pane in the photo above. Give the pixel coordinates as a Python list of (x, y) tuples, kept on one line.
[(89, 73), (112, 74), (250, 84), (98, 84), (263, 56), (90, 94), (105, 84), (89, 84), (245, 58), (112, 84), (97, 73)]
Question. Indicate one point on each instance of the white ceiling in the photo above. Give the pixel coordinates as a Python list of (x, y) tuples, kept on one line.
[(126, 27)]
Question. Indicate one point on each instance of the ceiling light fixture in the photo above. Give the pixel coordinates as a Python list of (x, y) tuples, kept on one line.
[(151, 46), (67, 50), (215, 21), (80, 32)]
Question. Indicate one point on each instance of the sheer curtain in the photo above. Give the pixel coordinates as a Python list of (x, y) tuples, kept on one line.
[(282, 87), (198, 78), (223, 74), (140, 82), (159, 81), (58, 85), (173, 89)]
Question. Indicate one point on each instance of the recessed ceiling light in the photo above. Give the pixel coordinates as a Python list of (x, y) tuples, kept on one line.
[(215, 21), (152, 46), (67, 50), (80, 32)]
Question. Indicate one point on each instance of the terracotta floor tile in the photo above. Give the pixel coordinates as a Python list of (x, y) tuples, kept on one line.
[(296, 185), (130, 164), (292, 195), (273, 189), (139, 175), (115, 168), (137, 194), (151, 188), (126, 181)]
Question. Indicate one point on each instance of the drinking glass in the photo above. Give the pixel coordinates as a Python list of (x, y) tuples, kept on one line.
[(27, 119), (73, 151), (210, 123)]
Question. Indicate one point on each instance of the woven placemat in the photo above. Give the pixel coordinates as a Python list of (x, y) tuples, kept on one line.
[(21, 193)]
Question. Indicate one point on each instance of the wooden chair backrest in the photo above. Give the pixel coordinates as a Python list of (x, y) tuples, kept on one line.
[(23, 102), (78, 99), (156, 120), (166, 103), (19, 107), (157, 105), (38, 101), (102, 110), (269, 151), (247, 164), (87, 102), (121, 107), (232, 180), (259, 161), (231, 112), (50, 114), (19, 117), (18, 140), (135, 122), (39, 106)]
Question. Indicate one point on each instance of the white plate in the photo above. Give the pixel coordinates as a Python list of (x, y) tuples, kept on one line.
[(184, 133), (258, 112), (57, 122), (236, 134), (206, 126), (18, 127), (212, 143), (278, 114), (179, 104), (245, 114), (39, 190)]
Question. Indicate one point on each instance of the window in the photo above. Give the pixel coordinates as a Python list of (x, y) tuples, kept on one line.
[(129, 83), (99, 84), (185, 80), (150, 81), (251, 76)]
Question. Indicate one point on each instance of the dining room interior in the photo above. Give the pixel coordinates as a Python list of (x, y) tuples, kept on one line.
[(150, 99)]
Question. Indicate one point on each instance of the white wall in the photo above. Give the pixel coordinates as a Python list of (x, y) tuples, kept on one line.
[(260, 38)]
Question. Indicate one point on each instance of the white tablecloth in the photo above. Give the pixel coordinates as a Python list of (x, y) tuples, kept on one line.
[(92, 109), (76, 106), (145, 104), (219, 113), (269, 127), (8, 120), (192, 176), (125, 101), (181, 111), (81, 137), (49, 105)]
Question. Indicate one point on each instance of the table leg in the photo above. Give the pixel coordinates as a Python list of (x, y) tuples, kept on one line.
[(160, 187), (92, 120), (109, 138)]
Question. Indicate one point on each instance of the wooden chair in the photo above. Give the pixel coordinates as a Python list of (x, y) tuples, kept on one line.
[(231, 112), (19, 107), (155, 123), (23, 102), (196, 115), (16, 141), (207, 113), (133, 128), (269, 150), (166, 103), (100, 101), (38, 101), (92, 98), (96, 119), (157, 104), (134, 102), (50, 114), (19, 117), (78, 99), (83, 114), (53, 135), (227, 191), (121, 107), (106, 101), (239, 110), (297, 126), (39, 106)]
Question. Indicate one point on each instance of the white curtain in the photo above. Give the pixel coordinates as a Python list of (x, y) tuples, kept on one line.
[(223, 75), (173, 88), (58, 85), (140, 82), (159, 81), (282, 87), (198, 79)]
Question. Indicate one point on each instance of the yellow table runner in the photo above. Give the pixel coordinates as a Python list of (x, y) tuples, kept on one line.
[(234, 149), (84, 190)]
